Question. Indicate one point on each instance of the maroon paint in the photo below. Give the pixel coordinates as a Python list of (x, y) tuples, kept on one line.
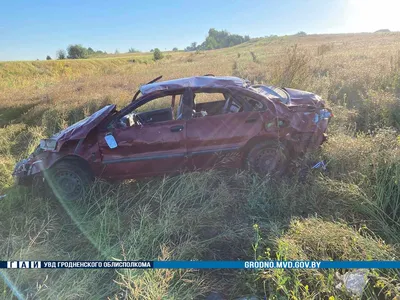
[(144, 142), (228, 133)]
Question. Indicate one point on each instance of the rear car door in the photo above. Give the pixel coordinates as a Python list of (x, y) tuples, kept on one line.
[(216, 140)]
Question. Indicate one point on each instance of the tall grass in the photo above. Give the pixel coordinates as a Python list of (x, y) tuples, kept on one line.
[(315, 239)]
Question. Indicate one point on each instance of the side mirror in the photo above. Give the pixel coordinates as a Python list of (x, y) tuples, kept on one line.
[(111, 142)]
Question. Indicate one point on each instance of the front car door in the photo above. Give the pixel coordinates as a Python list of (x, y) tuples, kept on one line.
[(155, 147)]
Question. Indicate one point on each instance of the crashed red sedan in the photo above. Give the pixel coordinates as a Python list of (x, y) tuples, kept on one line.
[(193, 123)]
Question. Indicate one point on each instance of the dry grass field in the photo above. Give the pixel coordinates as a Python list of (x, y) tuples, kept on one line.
[(349, 212)]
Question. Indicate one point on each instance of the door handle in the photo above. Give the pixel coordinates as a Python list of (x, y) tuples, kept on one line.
[(176, 128), (251, 120)]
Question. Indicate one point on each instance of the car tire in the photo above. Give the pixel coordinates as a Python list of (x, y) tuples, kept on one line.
[(267, 158), (68, 181)]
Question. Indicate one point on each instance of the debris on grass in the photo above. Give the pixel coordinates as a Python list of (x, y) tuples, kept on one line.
[(320, 165), (353, 282)]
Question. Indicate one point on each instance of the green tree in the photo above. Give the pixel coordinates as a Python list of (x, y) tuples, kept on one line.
[(217, 39), (48, 57), (133, 50), (90, 51), (175, 49), (61, 54), (210, 43), (77, 51), (157, 54)]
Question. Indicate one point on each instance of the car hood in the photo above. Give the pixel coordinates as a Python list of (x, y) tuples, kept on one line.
[(82, 128)]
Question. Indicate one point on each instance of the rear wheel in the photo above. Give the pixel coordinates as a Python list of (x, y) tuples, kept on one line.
[(68, 181), (267, 158)]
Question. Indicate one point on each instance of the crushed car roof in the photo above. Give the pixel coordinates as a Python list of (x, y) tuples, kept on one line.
[(193, 82)]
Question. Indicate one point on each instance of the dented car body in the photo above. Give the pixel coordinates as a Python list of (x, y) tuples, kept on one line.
[(238, 125)]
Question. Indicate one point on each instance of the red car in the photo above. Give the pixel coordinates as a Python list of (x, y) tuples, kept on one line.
[(193, 123)]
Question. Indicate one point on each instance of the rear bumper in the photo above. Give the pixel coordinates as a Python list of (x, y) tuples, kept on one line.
[(303, 142)]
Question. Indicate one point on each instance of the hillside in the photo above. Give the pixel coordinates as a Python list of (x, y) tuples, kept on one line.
[(349, 212)]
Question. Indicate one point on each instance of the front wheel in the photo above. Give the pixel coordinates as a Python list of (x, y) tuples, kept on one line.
[(268, 158), (68, 181)]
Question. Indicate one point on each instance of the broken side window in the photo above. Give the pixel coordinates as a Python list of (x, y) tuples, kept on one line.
[(158, 103), (157, 110), (255, 105), (211, 104)]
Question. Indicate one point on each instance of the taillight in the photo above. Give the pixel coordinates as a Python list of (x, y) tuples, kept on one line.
[(325, 114), (322, 115)]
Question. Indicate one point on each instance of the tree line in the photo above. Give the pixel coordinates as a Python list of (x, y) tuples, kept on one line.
[(217, 39), (76, 52)]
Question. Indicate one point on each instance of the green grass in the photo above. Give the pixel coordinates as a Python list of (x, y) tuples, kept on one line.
[(351, 211)]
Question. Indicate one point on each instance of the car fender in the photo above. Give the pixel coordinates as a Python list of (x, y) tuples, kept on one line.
[(53, 158)]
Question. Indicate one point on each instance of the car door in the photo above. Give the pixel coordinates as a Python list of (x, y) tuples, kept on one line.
[(145, 150), (216, 141)]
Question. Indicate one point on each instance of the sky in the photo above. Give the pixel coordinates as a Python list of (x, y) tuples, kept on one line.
[(31, 30)]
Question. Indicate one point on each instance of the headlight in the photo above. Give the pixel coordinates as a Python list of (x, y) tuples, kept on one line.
[(48, 144)]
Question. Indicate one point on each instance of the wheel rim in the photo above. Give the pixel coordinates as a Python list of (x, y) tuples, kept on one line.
[(68, 184), (267, 160)]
